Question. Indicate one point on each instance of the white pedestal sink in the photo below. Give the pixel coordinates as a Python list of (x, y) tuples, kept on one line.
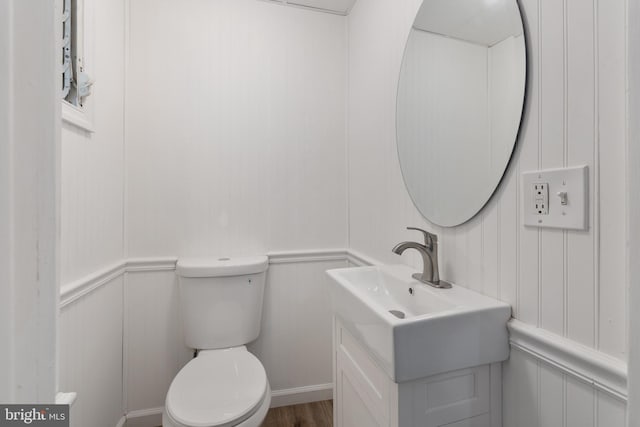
[(407, 354)]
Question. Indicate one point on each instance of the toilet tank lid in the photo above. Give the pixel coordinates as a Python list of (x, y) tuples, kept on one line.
[(221, 266)]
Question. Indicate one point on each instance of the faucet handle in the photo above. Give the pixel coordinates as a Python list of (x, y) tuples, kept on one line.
[(430, 239)]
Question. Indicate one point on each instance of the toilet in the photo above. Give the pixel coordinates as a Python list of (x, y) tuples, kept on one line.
[(221, 308)]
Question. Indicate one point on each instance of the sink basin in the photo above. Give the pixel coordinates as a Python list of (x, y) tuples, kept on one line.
[(414, 330)]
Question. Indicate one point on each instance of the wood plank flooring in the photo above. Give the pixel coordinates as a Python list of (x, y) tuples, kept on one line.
[(316, 414)]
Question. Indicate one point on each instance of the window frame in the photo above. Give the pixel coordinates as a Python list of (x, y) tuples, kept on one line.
[(81, 116)]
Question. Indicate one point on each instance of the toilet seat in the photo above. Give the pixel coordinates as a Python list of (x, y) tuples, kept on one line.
[(219, 388)]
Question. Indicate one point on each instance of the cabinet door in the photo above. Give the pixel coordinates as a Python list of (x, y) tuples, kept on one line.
[(352, 409), (362, 389)]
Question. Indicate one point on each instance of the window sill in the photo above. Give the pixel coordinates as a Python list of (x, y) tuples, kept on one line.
[(76, 117)]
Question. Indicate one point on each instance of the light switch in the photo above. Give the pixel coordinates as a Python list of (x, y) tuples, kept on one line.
[(563, 198), (567, 207)]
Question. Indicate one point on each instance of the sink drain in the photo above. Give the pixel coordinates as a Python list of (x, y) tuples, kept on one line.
[(399, 314)]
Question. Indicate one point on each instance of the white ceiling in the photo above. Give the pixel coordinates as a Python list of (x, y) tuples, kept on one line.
[(484, 22), (341, 7)]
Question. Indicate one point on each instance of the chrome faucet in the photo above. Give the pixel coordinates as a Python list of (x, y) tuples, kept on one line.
[(429, 252)]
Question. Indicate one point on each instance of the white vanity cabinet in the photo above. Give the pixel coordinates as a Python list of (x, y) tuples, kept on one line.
[(364, 395)]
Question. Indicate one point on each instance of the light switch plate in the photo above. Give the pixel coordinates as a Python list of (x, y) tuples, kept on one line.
[(574, 182)]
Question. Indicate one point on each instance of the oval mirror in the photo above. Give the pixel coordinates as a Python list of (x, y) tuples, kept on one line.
[(460, 100)]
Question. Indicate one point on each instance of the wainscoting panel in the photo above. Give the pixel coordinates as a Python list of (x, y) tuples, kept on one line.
[(91, 355), (536, 394), (154, 351), (296, 338)]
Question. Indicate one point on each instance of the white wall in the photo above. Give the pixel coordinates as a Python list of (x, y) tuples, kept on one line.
[(633, 417), (570, 283), (154, 349), (91, 355), (235, 128), (296, 338), (92, 229), (92, 163), (29, 214), (6, 332)]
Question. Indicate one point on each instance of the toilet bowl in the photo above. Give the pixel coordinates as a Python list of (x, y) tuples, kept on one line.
[(221, 310), (219, 388)]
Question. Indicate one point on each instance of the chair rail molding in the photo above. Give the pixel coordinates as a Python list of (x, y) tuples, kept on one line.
[(76, 289), (601, 371)]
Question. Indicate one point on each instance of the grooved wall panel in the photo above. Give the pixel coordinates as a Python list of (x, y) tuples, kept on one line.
[(571, 283), (235, 134), (538, 395), (295, 340), (92, 170), (91, 355), (154, 347)]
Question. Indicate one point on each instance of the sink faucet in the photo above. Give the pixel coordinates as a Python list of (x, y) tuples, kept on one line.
[(429, 253)]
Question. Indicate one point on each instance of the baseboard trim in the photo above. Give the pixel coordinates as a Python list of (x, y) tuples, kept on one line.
[(298, 395), (145, 417), (603, 372), (292, 396)]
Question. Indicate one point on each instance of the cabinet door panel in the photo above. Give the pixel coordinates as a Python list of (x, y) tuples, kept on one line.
[(355, 412), (453, 396), (357, 372)]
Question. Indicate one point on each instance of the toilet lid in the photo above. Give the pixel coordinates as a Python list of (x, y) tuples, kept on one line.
[(217, 388)]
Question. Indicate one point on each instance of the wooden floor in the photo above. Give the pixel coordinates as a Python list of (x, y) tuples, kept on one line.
[(316, 414)]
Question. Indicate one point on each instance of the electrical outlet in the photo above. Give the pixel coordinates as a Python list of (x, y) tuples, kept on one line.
[(568, 205), (540, 195)]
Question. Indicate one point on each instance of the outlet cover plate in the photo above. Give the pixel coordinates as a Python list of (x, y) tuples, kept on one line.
[(572, 216)]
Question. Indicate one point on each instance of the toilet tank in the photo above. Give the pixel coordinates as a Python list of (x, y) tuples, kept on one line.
[(221, 300)]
